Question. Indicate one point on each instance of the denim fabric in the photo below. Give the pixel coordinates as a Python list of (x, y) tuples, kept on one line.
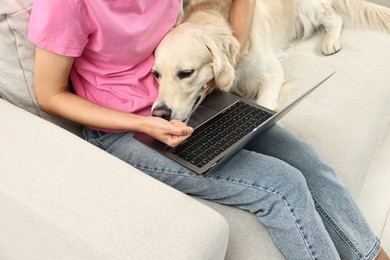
[(282, 180)]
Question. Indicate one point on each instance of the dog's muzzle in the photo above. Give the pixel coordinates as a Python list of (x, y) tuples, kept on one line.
[(162, 111)]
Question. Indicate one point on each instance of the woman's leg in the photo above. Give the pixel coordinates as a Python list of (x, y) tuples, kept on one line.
[(268, 187), (343, 220)]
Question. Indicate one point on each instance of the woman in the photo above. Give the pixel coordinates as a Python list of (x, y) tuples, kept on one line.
[(106, 48)]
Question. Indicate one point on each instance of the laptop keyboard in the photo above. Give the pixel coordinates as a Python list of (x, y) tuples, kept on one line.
[(216, 135)]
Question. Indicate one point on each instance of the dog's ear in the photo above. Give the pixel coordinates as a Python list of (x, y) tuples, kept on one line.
[(182, 12), (223, 48)]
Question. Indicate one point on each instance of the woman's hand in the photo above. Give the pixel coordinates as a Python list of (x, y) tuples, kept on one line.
[(171, 133)]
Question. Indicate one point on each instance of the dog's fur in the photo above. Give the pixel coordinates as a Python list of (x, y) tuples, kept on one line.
[(202, 49)]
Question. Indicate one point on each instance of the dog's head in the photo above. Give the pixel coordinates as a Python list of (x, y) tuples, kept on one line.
[(189, 57)]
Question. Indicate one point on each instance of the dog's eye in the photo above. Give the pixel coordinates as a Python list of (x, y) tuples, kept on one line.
[(185, 74), (156, 74)]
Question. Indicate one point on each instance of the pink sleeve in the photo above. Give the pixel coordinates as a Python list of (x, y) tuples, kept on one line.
[(59, 26)]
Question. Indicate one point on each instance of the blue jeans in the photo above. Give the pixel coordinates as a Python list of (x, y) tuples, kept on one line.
[(282, 180)]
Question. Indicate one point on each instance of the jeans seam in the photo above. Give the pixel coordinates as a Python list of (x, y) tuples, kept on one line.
[(344, 237), (96, 135), (246, 184), (100, 144), (375, 250), (337, 229)]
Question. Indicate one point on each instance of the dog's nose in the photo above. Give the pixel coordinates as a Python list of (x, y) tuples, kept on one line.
[(163, 112)]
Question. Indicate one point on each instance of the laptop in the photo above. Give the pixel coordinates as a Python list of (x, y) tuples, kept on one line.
[(223, 124)]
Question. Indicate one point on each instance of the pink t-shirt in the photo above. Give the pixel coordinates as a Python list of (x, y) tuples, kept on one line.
[(113, 42)]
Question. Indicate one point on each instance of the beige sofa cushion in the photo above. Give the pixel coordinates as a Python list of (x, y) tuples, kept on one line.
[(63, 198), (345, 117), (17, 55)]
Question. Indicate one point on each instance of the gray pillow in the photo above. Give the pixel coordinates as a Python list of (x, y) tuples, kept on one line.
[(17, 60)]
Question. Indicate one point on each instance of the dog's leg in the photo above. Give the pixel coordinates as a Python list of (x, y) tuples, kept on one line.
[(271, 83), (332, 24)]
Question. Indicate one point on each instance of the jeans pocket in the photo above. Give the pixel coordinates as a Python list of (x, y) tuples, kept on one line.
[(93, 136)]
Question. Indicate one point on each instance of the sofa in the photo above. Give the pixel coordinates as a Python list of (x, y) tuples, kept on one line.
[(63, 198)]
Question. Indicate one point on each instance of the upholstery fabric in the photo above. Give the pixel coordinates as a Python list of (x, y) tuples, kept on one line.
[(61, 198)]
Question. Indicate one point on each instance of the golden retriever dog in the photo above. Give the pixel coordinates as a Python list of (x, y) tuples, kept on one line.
[(202, 49)]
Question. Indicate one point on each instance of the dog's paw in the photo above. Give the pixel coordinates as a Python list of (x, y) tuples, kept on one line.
[(330, 46), (270, 104)]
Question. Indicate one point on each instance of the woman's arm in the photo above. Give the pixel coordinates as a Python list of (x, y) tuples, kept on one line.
[(241, 19), (51, 73)]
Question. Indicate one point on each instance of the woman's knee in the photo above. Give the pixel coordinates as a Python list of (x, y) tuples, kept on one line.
[(290, 188), (272, 189)]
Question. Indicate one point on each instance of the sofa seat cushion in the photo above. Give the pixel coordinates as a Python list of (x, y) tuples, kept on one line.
[(63, 198), (347, 116)]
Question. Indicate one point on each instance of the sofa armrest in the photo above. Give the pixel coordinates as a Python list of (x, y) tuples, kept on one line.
[(63, 198)]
